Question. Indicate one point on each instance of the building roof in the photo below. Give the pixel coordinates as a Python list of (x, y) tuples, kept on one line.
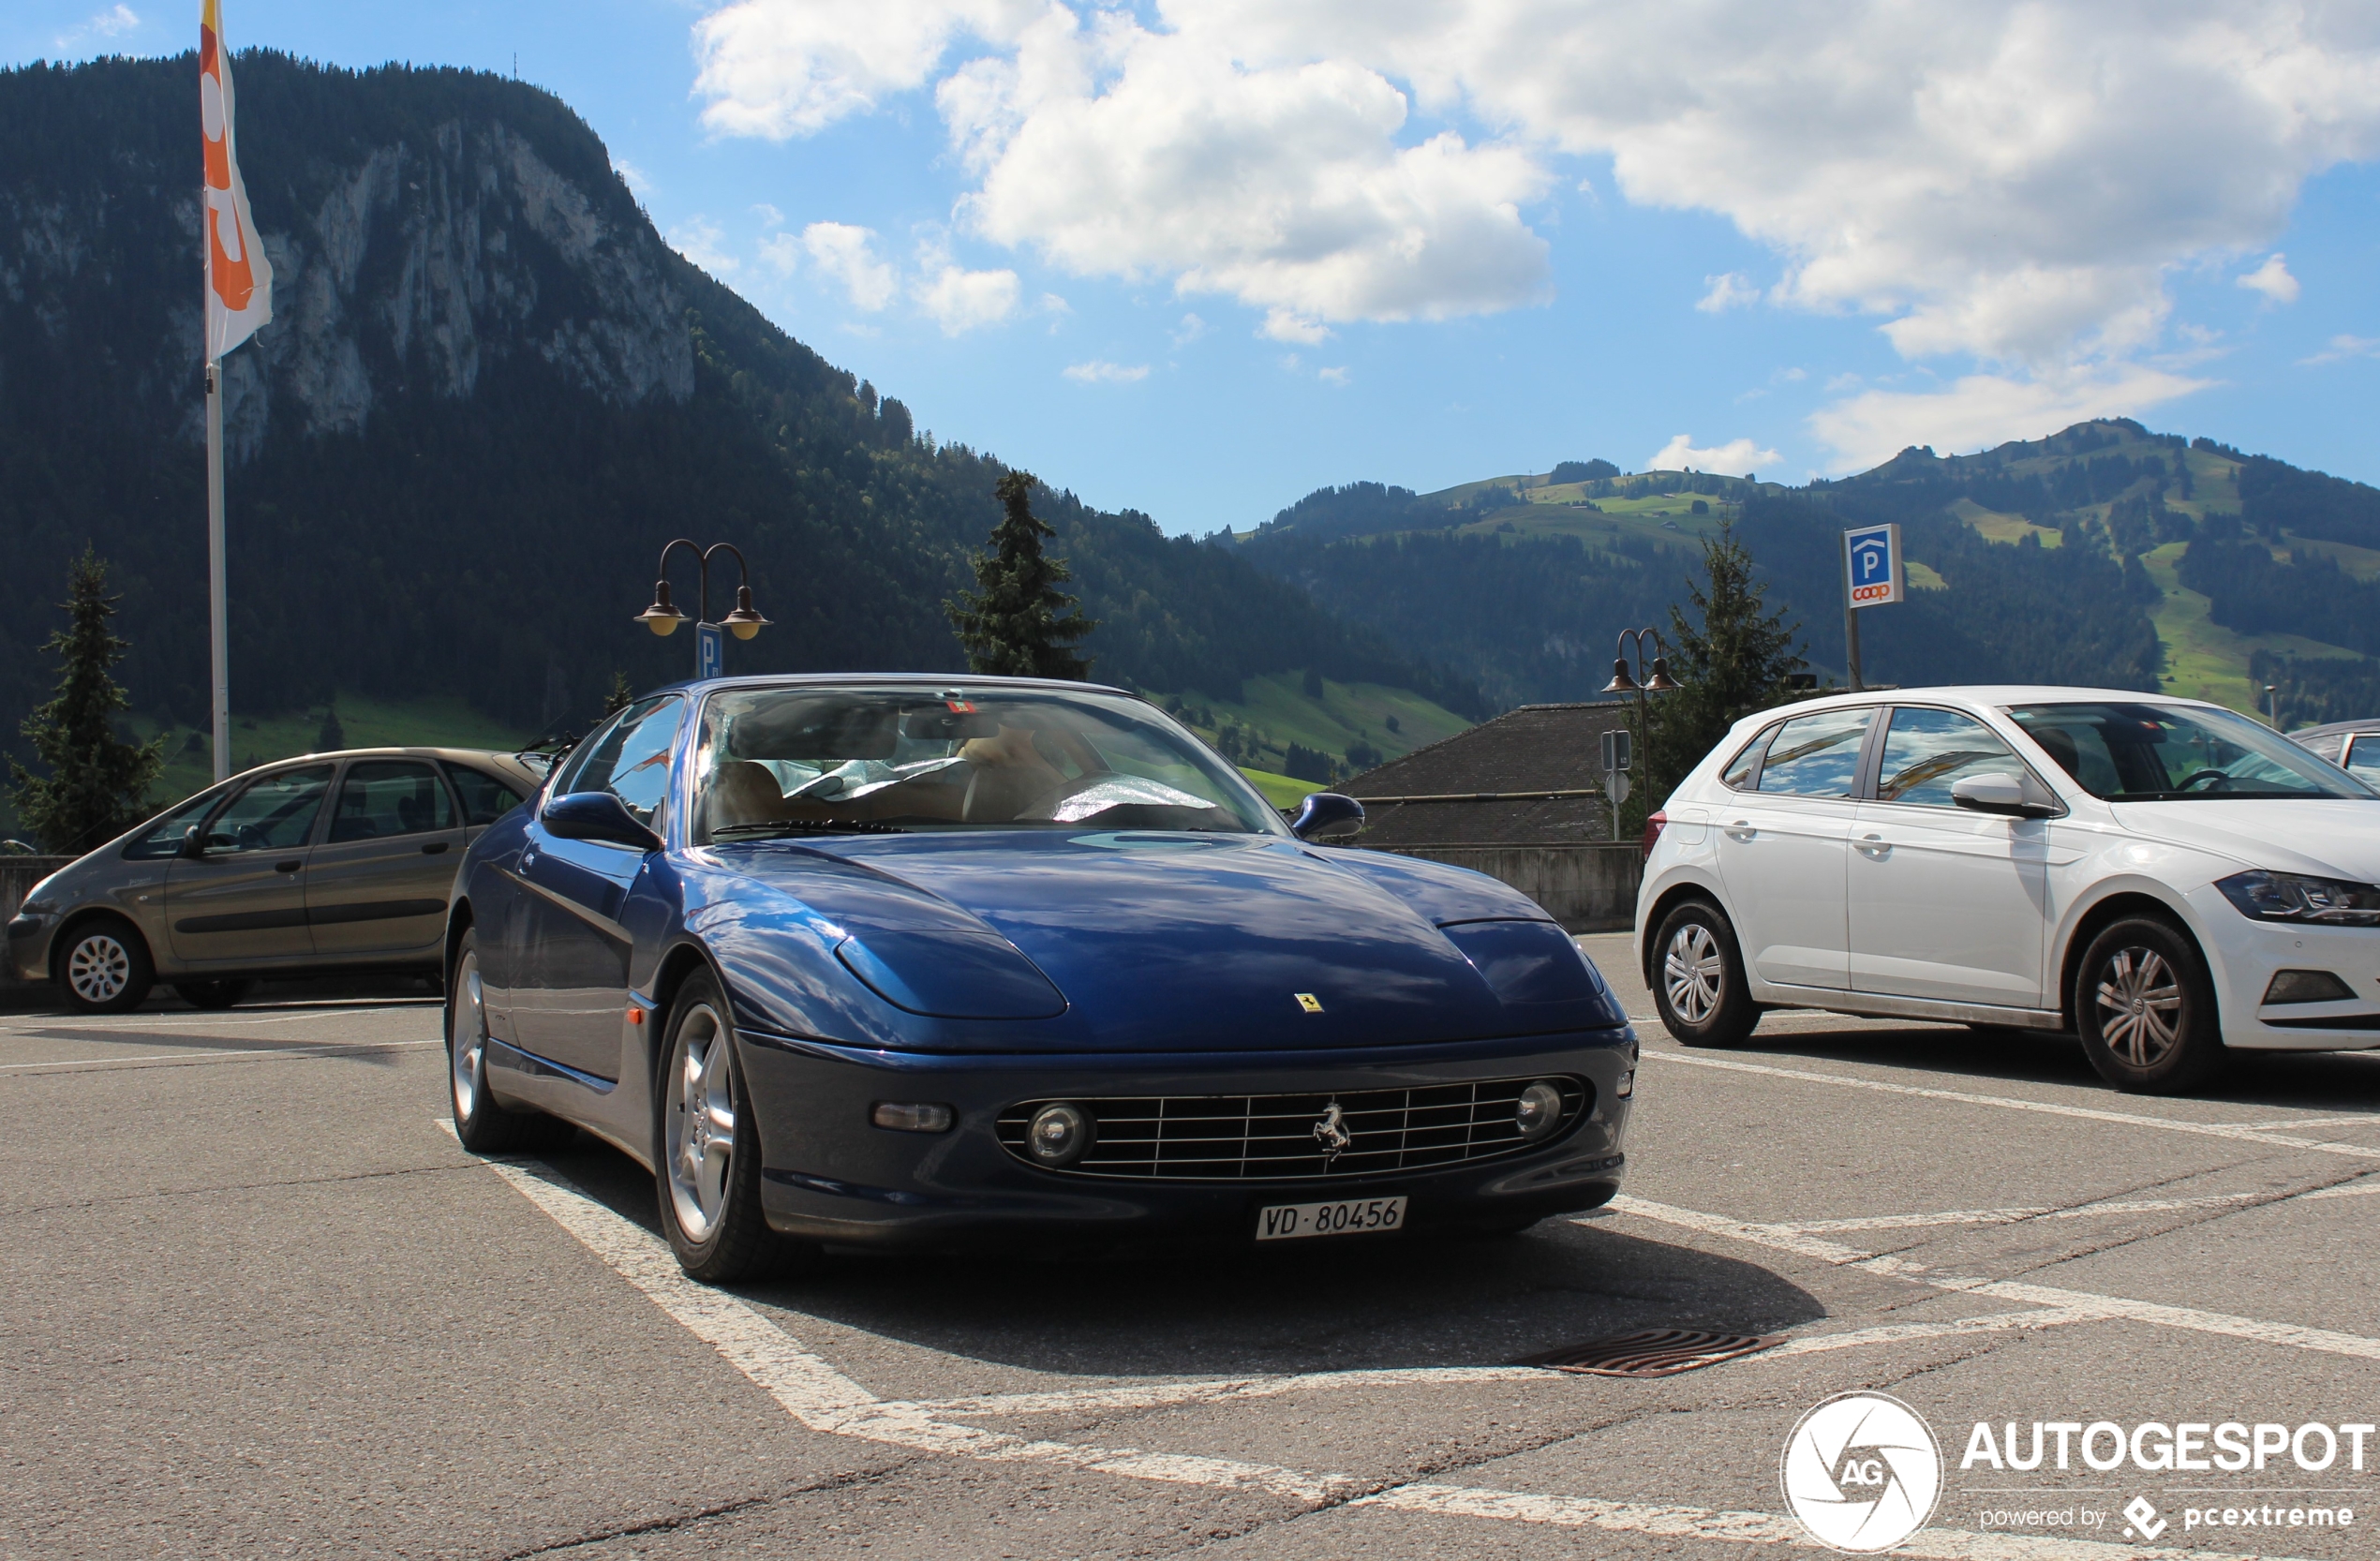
[(1537, 747)]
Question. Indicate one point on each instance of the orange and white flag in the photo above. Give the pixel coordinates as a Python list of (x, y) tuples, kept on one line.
[(238, 279)]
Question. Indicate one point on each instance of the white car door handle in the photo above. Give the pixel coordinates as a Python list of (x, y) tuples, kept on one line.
[(1874, 847), (1741, 830)]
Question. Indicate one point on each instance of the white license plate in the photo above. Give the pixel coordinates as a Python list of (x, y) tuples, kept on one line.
[(1346, 1217)]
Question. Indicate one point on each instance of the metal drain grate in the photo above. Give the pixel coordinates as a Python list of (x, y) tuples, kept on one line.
[(1654, 1352)]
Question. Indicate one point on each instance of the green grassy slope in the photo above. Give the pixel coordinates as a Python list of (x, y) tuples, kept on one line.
[(363, 723), (1274, 711)]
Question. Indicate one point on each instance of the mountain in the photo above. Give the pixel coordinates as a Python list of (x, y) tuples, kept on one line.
[(2102, 554), (490, 394)]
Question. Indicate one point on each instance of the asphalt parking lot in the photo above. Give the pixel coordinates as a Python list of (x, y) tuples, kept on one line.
[(257, 1302)]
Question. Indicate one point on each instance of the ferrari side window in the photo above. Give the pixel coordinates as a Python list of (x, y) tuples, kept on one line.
[(632, 760)]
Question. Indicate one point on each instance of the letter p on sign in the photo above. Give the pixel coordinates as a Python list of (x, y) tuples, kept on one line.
[(1873, 574)]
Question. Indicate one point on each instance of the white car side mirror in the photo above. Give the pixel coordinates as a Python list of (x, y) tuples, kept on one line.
[(1997, 791)]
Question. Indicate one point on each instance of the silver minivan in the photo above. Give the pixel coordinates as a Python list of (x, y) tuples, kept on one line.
[(325, 863)]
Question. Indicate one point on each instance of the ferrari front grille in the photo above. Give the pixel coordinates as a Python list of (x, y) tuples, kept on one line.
[(1296, 1137)]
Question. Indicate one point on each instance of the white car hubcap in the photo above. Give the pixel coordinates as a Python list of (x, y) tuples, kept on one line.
[(98, 968), (2139, 1006), (1694, 972)]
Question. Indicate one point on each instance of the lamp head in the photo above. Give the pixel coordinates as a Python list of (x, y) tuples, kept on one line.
[(662, 617), (1621, 681), (745, 621), (1661, 682)]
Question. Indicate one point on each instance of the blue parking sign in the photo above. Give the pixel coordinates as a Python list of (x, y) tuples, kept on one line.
[(710, 650), (1872, 565)]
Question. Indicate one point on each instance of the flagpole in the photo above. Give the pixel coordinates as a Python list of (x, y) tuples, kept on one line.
[(216, 617)]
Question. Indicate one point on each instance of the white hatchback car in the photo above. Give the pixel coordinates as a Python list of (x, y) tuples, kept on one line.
[(2166, 878)]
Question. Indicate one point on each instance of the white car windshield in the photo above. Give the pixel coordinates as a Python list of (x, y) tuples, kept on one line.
[(2164, 752), (810, 760)]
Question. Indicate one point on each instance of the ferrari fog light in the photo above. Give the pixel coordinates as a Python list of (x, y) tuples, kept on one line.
[(1627, 1086), (2308, 986), (1539, 1110), (911, 1116), (1059, 1134)]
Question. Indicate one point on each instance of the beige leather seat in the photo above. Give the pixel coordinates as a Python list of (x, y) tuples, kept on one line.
[(743, 792)]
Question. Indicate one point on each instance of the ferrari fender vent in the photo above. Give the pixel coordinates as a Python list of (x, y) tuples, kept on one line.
[(1304, 1138), (1654, 1352)]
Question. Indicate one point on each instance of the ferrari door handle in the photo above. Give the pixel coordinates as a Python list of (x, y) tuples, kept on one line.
[(1741, 830), (288, 867), (434, 848)]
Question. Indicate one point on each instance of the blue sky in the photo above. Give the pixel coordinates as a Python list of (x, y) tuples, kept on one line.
[(1199, 258)]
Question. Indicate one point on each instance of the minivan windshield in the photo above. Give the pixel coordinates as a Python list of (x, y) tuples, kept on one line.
[(810, 760), (2166, 753)]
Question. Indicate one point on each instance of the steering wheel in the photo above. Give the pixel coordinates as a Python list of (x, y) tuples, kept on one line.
[(2213, 780)]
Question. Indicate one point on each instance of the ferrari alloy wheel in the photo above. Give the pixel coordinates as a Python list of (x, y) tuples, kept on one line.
[(707, 1145), (2146, 1009), (482, 1125), (1697, 983), (104, 968)]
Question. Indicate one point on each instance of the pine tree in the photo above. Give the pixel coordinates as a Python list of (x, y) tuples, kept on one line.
[(1020, 624), (1735, 661), (98, 783), (620, 697), (332, 737)]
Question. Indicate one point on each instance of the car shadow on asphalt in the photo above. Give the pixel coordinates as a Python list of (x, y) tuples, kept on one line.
[(1328, 1304), (2334, 1083)]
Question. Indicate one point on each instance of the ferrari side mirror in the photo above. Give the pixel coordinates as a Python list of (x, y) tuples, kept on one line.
[(1327, 816), (597, 816)]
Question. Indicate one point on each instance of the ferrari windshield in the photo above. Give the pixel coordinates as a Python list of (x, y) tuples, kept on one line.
[(809, 760), (2161, 753)]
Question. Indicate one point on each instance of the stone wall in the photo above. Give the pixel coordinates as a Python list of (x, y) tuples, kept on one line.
[(1587, 888)]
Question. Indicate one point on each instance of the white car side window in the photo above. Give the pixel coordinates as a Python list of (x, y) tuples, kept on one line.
[(1817, 755), (1926, 751)]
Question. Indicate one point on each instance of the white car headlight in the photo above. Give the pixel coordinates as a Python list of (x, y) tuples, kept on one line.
[(2293, 897)]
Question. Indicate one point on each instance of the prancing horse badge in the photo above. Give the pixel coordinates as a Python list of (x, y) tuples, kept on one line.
[(1310, 1002)]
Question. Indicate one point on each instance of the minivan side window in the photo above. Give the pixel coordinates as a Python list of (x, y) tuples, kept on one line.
[(163, 838), (274, 813), (485, 799), (1926, 751), (1816, 755)]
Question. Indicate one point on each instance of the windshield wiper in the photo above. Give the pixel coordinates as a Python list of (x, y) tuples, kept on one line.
[(809, 826)]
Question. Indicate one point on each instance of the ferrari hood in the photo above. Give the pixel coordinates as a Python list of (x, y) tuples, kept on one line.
[(1176, 943)]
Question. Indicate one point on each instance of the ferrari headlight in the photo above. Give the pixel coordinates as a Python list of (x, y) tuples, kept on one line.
[(2292, 897), (1058, 1135)]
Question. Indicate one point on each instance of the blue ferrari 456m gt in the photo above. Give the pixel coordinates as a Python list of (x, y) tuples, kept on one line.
[(888, 962)]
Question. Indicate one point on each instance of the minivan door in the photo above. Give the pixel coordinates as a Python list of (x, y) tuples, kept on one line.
[(379, 883), (241, 900)]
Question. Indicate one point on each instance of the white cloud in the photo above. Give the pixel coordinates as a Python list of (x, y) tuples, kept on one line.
[(1734, 458), (1190, 330), (2007, 181), (1333, 376), (632, 176), (961, 300), (770, 216), (113, 22), (2342, 348), (699, 240), (1288, 325), (1731, 291), (2274, 281), (1098, 371), (1984, 410), (845, 255)]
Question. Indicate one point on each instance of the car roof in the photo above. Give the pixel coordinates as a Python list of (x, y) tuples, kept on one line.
[(1994, 695), (885, 680), (497, 757), (2370, 724)]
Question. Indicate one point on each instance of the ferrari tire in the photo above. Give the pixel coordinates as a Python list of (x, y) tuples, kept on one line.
[(103, 967), (482, 1124), (2145, 1008), (1698, 980), (707, 1144)]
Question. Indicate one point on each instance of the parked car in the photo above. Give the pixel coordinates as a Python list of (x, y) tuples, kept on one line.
[(2166, 877), (258, 876), (882, 961), (2354, 746)]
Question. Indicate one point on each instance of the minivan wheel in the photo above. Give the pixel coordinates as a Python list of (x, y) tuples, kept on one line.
[(2146, 1009), (1698, 978), (707, 1147), (104, 967)]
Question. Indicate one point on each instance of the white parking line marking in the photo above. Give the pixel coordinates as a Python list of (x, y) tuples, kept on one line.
[(1894, 1334), (149, 1024), (823, 1399), (327, 1048), (2103, 1306), (2366, 1118), (2238, 1132)]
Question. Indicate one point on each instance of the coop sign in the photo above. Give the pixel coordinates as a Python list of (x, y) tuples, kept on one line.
[(1872, 565)]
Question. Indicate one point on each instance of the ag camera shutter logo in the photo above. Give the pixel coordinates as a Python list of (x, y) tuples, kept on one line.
[(1862, 1472)]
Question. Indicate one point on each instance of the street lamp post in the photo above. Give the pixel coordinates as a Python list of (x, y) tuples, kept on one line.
[(662, 617), (1641, 683)]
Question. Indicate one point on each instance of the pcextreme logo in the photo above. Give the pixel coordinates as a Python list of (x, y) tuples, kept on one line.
[(1862, 1472)]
